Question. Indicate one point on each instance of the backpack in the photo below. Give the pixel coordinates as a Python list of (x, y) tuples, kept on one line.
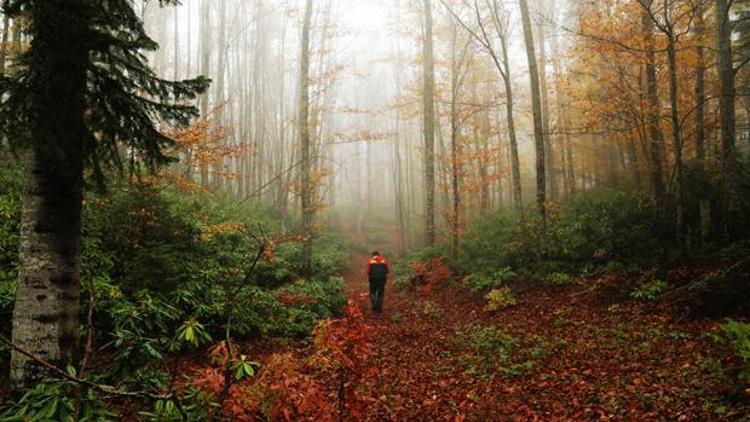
[(378, 270)]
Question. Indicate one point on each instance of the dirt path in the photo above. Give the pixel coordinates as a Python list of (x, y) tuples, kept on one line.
[(570, 357), (408, 339)]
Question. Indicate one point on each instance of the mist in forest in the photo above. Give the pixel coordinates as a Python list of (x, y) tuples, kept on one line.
[(366, 102), (547, 204)]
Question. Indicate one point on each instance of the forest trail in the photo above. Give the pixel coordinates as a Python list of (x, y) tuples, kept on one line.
[(562, 353), (408, 351)]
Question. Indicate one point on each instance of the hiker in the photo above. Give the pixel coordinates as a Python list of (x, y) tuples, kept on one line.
[(377, 273)]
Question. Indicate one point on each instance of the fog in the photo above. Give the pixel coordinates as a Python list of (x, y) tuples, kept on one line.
[(366, 103)]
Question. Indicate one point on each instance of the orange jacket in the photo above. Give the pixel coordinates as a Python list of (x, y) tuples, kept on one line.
[(376, 260)]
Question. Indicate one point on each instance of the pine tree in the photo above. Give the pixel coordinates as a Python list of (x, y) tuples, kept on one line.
[(81, 98)]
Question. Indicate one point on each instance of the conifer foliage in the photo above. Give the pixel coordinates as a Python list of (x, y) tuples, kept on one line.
[(123, 97), (81, 99)]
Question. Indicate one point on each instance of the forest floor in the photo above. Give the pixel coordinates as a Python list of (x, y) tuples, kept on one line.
[(562, 353)]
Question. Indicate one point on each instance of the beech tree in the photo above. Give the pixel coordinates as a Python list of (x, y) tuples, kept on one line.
[(83, 96)]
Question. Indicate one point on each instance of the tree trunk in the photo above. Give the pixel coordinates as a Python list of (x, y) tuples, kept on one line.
[(398, 174), (657, 141), (704, 206), (304, 130), (515, 161), (45, 317), (429, 125), (221, 70), (281, 195), (481, 145), (176, 51), (676, 137), (189, 40), (455, 147), (205, 56), (548, 147), (536, 107), (4, 41), (726, 111)]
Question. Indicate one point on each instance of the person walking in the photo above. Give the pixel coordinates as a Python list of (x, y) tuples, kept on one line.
[(378, 269)]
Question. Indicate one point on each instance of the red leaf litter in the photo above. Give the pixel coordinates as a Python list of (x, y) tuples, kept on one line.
[(574, 358)]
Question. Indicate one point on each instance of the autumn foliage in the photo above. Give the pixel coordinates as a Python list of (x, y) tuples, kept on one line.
[(289, 387), (429, 274)]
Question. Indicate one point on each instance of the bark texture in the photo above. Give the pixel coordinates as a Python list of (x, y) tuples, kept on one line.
[(45, 317)]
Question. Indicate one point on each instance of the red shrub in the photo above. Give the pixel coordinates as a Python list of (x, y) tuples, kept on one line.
[(429, 275)]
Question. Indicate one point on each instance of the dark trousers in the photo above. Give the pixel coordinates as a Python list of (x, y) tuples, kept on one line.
[(377, 292)]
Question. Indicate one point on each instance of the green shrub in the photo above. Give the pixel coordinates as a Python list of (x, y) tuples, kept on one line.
[(560, 279), (430, 309), (164, 264), (484, 349), (649, 291), (55, 400), (11, 189), (493, 243), (143, 237), (402, 283), (605, 225), (330, 255), (738, 335), (590, 230), (482, 282), (498, 299)]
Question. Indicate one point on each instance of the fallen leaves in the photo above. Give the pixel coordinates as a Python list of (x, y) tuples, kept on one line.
[(574, 359)]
